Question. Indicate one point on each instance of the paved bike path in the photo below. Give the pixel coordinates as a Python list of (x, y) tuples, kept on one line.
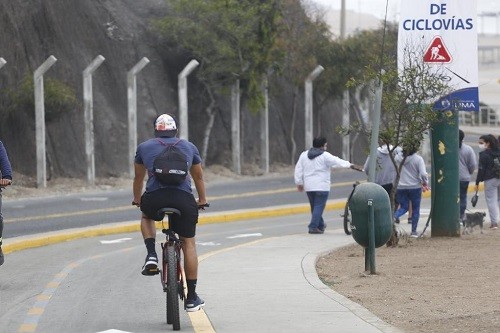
[(271, 285)]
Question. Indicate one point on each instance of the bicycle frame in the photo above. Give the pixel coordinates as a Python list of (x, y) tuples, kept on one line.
[(172, 241), (171, 274)]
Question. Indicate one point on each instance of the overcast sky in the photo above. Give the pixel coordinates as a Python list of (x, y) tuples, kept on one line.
[(377, 7)]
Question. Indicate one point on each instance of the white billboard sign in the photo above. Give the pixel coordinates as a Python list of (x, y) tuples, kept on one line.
[(445, 32)]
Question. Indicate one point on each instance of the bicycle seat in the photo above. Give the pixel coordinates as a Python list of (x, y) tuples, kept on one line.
[(168, 211)]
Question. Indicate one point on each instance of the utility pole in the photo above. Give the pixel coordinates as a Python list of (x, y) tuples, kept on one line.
[(342, 20)]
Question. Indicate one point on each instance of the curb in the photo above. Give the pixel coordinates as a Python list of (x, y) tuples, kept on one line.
[(23, 243), (28, 242)]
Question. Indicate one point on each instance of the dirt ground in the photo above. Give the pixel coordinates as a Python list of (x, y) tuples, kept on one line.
[(424, 285)]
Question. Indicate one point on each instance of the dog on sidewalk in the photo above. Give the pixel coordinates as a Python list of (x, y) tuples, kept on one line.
[(472, 220)]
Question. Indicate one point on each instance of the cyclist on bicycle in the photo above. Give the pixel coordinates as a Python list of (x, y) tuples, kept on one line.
[(158, 195), (5, 180)]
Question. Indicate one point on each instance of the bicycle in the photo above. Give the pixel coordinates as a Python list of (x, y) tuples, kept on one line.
[(347, 211), (172, 272)]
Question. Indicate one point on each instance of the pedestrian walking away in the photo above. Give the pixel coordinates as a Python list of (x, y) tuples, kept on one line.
[(385, 169), (5, 180), (467, 164), (413, 180), (489, 173), (313, 175), (170, 193)]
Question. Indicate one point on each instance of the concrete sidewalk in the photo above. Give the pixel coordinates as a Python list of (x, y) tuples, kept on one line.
[(271, 285)]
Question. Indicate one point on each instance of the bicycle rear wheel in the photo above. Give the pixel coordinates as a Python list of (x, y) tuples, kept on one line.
[(172, 289), (347, 219)]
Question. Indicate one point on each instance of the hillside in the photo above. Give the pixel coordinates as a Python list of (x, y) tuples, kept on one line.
[(75, 32)]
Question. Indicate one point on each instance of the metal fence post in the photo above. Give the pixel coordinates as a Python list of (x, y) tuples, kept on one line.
[(41, 168), (183, 100), (308, 116), (235, 126), (132, 111), (88, 116)]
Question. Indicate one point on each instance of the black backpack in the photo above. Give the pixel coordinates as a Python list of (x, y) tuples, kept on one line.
[(170, 167)]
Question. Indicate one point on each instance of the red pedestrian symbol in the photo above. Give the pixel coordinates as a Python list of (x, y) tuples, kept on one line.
[(437, 52)]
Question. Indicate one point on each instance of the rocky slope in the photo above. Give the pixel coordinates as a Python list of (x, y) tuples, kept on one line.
[(75, 32)]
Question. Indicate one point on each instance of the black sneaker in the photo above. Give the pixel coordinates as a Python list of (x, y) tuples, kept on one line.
[(194, 304), (1, 257), (316, 231), (150, 265)]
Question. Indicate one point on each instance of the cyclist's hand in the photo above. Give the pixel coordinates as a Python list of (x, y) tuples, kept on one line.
[(138, 204), (5, 182), (202, 206)]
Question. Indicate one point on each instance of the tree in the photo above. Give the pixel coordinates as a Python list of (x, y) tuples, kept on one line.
[(232, 40), (409, 94)]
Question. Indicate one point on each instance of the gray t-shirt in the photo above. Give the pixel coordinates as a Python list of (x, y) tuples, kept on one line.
[(148, 150), (467, 162)]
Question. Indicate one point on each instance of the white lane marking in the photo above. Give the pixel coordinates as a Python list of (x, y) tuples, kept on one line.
[(115, 241), (258, 234), (114, 331), (208, 243), (94, 199)]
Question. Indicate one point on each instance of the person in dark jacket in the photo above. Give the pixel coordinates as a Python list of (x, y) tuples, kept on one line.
[(5, 180), (486, 173)]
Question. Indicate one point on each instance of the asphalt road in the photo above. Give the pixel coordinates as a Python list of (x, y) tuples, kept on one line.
[(36, 215)]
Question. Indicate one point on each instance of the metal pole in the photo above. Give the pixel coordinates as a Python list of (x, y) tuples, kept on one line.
[(308, 116), (88, 116), (346, 140), (235, 126), (375, 131), (132, 111), (371, 238), (41, 168), (342, 19), (183, 100), (264, 130), (2, 62)]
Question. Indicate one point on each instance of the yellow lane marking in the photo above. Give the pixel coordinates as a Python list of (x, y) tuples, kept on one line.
[(27, 328), (36, 311), (53, 284)]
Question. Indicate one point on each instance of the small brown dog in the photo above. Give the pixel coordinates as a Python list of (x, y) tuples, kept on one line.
[(473, 219)]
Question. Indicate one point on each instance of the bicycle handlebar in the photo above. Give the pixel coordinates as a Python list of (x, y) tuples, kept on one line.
[(202, 207)]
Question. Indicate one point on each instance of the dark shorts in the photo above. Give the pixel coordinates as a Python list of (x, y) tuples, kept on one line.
[(184, 225)]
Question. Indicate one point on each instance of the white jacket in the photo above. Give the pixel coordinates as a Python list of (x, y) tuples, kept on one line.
[(314, 172)]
